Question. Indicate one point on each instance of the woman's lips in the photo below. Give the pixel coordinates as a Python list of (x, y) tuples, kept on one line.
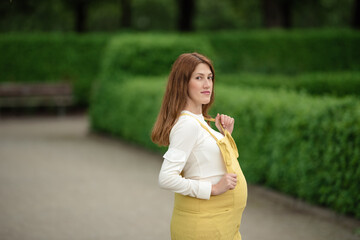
[(206, 92)]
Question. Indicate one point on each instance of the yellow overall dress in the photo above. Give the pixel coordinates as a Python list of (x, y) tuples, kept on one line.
[(219, 217)]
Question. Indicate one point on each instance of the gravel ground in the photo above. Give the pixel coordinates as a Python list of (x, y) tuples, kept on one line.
[(58, 181)]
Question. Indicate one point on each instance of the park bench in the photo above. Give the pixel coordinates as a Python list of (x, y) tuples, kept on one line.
[(19, 95)]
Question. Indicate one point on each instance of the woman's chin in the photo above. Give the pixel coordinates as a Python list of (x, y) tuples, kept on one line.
[(206, 101)]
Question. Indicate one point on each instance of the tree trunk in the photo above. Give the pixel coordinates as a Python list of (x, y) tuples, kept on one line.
[(271, 13), (186, 15), (80, 16), (277, 13), (286, 12), (125, 13), (356, 15)]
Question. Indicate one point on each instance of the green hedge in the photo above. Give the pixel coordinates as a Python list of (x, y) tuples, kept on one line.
[(148, 54), (320, 83), (253, 51), (44, 57), (76, 58), (301, 145), (127, 109), (286, 51)]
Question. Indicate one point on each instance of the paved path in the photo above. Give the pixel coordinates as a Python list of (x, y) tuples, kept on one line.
[(57, 181)]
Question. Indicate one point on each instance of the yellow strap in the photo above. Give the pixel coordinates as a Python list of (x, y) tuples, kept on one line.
[(213, 120), (207, 129), (210, 119)]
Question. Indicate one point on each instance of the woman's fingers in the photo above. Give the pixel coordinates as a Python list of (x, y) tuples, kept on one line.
[(233, 175), (231, 180), (230, 121), (218, 122), (226, 120), (227, 182)]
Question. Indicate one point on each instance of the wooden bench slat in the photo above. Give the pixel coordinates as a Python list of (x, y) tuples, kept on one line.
[(7, 90), (59, 101), (18, 95)]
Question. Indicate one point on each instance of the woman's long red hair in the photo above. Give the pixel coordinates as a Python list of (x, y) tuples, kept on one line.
[(176, 94)]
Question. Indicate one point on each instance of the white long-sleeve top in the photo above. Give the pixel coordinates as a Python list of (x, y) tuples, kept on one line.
[(194, 152)]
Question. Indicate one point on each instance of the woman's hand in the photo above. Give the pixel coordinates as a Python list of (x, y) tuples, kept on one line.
[(226, 121), (227, 182)]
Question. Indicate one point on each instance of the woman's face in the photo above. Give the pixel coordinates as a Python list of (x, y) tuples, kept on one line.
[(200, 85)]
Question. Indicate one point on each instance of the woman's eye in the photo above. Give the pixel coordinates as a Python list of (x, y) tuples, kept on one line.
[(198, 77), (210, 77)]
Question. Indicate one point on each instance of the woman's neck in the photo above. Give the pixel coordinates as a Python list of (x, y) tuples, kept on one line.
[(196, 109)]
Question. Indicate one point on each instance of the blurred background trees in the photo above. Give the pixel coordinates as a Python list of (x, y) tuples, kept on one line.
[(182, 15)]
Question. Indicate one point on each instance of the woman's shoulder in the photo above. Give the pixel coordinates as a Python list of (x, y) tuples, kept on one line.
[(186, 120), (186, 125)]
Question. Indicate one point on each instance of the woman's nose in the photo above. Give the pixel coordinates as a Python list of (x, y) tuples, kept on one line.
[(207, 83)]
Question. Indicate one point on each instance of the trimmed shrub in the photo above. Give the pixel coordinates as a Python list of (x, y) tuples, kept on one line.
[(44, 57), (147, 54), (286, 51), (128, 109), (318, 83), (301, 145), (52, 58)]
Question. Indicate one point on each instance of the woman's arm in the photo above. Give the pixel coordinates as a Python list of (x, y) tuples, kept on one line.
[(183, 138), (170, 178)]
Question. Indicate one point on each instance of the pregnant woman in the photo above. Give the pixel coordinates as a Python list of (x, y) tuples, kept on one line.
[(200, 165)]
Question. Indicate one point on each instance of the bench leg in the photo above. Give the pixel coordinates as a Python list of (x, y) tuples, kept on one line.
[(61, 111)]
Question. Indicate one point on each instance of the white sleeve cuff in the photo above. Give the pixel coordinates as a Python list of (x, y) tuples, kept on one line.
[(204, 190)]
